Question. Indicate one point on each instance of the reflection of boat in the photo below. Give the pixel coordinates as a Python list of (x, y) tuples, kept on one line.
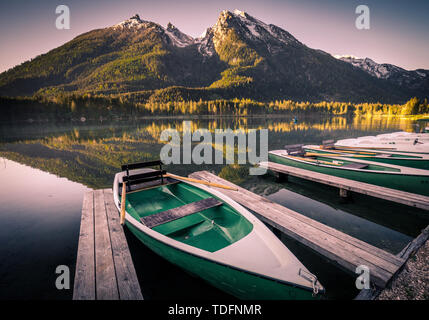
[(386, 175), (211, 236), (420, 161)]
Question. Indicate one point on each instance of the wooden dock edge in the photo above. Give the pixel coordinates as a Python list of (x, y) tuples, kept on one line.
[(104, 267), (347, 185), (341, 249), (406, 253)]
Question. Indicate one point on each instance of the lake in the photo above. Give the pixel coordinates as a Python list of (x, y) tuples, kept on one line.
[(46, 168)]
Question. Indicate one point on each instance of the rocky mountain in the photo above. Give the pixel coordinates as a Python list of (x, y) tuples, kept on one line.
[(414, 79), (240, 56)]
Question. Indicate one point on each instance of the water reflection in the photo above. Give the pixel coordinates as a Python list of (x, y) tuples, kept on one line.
[(91, 154), (53, 164), (39, 229)]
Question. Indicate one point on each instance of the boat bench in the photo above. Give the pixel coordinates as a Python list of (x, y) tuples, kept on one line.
[(295, 149), (162, 217), (355, 165), (328, 144)]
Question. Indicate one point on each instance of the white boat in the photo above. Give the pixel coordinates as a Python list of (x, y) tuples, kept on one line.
[(209, 235), (394, 144)]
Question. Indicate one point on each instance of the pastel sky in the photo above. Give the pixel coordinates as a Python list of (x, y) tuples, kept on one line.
[(398, 31)]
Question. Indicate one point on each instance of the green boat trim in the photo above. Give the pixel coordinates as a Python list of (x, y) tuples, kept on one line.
[(418, 161), (386, 175), (251, 262), (304, 293)]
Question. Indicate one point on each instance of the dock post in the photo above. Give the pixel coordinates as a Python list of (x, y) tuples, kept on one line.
[(282, 177), (344, 193)]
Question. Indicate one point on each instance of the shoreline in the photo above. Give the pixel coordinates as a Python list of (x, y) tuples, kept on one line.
[(412, 283), (83, 119)]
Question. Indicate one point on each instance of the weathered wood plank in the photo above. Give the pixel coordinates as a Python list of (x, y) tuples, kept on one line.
[(398, 196), (179, 212), (244, 196), (414, 245), (128, 284), (347, 251), (106, 285), (84, 283)]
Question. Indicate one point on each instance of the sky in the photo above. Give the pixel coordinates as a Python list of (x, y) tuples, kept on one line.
[(398, 32)]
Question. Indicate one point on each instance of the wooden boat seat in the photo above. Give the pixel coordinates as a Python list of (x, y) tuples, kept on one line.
[(355, 165), (295, 149), (147, 184), (162, 217), (328, 144)]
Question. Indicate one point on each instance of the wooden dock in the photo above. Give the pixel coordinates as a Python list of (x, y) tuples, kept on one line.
[(104, 268), (347, 185), (342, 249)]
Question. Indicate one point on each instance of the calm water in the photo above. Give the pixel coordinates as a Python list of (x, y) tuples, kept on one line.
[(46, 168)]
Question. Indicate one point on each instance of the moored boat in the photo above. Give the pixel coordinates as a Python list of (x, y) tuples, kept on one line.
[(409, 146), (419, 161), (403, 135), (382, 174), (209, 235)]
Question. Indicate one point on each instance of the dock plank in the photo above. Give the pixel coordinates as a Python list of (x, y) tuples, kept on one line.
[(84, 284), (105, 277), (345, 250), (128, 284), (398, 196), (104, 267)]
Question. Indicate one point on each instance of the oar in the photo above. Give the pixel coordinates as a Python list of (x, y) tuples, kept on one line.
[(315, 154), (200, 181), (365, 148), (123, 195), (318, 161), (352, 151)]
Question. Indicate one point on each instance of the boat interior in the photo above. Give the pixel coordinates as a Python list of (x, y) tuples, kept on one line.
[(298, 152), (182, 211)]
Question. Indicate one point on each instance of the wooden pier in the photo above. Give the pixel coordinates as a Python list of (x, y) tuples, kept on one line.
[(104, 268), (347, 185), (342, 249)]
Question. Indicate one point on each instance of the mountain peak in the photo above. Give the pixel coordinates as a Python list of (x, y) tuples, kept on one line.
[(136, 17), (171, 27), (177, 37), (395, 74), (133, 22), (240, 13), (252, 29)]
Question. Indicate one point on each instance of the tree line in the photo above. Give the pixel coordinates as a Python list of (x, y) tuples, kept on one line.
[(87, 105)]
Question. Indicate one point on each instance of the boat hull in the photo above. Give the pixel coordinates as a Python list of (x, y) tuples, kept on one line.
[(405, 162), (410, 183), (254, 264), (238, 283)]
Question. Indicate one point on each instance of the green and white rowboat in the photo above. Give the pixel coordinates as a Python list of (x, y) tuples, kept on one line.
[(419, 161), (382, 174), (211, 236), (372, 143)]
